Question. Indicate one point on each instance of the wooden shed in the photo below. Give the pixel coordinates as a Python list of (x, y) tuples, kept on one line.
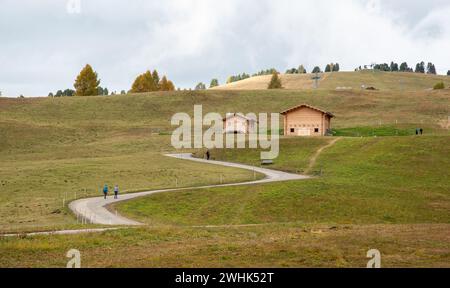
[(238, 124), (305, 120)]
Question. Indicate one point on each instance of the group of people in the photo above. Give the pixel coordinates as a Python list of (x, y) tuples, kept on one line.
[(419, 131), (106, 190)]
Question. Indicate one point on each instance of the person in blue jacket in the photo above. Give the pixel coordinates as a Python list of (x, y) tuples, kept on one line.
[(105, 190)]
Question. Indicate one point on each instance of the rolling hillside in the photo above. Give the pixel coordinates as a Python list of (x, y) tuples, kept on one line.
[(380, 80), (54, 150)]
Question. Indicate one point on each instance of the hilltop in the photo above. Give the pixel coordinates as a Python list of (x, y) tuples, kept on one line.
[(393, 81)]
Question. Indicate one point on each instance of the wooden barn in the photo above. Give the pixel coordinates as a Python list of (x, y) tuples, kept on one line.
[(305, 120), (238, 124)]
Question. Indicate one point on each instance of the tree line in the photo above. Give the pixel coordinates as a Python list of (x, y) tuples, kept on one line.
[(332, 67), (235, 78), (87, 83), (430, 68)]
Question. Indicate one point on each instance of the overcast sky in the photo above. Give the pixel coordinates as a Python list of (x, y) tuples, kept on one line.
[(43, 44)]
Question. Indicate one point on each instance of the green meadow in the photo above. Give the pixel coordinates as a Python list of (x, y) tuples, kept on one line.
[(379, 186), (391, 180)]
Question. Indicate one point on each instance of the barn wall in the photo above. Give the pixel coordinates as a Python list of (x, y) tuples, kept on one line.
[(236, 124), (304, 121)]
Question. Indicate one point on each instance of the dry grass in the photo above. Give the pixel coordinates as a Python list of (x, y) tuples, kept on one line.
[(385, 81), (289, 245), (290, 81)]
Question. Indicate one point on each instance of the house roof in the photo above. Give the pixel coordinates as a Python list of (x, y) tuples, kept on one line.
[(307, 106), (231, 115)]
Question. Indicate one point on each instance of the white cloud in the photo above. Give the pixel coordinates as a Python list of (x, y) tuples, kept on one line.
[(43, 47)]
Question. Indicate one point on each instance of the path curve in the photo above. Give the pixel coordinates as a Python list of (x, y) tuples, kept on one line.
[(95, 210)]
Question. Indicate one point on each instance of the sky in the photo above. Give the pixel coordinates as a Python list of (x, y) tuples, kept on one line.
[(44, 44)]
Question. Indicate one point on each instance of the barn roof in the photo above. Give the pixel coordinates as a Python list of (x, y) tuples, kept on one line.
[(307, 106), (231, 115)]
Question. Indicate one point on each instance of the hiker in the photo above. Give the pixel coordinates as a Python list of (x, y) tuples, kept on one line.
[(421, 131), (105, 190), (116, 192), (208, 155), (417, 131)]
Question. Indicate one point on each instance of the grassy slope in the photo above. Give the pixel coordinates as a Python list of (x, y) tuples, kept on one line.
[(50, 147), (56, 145), (366, 181), (384, 81)]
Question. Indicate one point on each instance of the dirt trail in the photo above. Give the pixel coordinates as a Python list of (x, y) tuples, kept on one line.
[(313, 160)]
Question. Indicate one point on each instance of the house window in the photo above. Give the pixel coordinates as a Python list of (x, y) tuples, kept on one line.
[(316, 130), (292, 130)]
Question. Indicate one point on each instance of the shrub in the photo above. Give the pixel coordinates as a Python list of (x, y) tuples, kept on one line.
[(439, 85)]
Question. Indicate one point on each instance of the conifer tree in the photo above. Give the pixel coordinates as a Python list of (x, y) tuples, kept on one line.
[(170, 86), (275, 82), (87, 82), (144, 83), (316, 70), (200, 86), (214, 83), (301, 69), (156, 79), (336, 67), (164, 84), (431, 69), (420, 67)]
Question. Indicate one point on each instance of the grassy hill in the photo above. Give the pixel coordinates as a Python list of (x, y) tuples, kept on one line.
[(65, 148), (385, 81), (61, 148)]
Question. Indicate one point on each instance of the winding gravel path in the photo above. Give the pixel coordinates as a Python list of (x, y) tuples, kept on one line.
[(95, 211)]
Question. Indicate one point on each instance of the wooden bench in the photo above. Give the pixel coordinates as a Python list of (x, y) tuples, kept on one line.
[(266, 162)]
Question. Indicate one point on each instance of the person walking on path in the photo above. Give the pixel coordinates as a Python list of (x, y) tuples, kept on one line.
[(421, 131), (208, 155), (116, 192), (105, 190)]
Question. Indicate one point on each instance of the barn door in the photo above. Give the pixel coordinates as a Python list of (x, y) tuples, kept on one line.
[(304, 132)]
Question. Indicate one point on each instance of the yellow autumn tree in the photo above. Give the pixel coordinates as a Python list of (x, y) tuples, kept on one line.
[(164, 84), (156, 79), (87, 82), (171, 86), (144, 83), (149, 82)]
